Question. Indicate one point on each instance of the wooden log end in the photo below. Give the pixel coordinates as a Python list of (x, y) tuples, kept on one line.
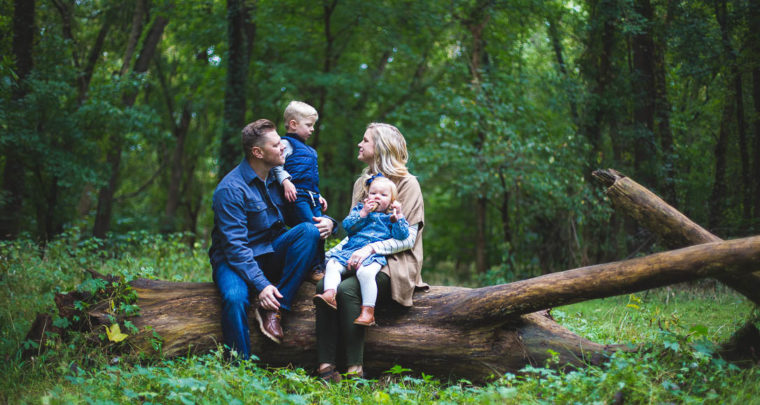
[(607, 177)]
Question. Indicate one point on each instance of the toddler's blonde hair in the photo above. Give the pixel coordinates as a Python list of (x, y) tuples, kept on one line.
[(299, 111)]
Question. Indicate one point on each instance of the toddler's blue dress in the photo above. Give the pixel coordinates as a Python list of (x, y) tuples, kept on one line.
[(375, 227)]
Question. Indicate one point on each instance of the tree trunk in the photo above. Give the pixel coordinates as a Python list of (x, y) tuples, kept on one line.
[(475, 24), (235, 89), (676, 230), (552, 22), (753, 17), (106, 194), (600, 46), (13, 172), (450, 331), (717, 199), (737, 98), (663, 106), (645, 151), (177, 169)]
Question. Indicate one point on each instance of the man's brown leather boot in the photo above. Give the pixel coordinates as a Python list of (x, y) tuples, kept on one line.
[(269, 323)]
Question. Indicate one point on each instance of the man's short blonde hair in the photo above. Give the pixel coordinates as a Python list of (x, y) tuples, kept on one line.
[(299, 111)]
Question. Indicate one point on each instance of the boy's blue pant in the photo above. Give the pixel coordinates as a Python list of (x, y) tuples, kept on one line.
[(303, 209), (293, 256)]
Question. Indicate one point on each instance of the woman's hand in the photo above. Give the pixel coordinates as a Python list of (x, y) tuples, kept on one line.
[(358, 257)]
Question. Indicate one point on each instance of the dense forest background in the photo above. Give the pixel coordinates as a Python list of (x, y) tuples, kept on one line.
[(122, 116)]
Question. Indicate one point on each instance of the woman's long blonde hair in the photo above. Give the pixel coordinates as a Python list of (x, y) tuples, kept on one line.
[(390, 152)]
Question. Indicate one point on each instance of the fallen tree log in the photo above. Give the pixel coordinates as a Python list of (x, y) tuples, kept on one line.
[(677, 230), (674, 228), (451, 331)]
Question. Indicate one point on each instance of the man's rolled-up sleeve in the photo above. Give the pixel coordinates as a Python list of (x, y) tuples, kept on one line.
[(232, 222)]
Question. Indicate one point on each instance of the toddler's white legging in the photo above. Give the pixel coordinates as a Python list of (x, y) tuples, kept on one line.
[(365, 274)]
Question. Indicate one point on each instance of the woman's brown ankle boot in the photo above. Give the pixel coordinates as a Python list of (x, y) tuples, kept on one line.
[(367, 317), (327, 297)]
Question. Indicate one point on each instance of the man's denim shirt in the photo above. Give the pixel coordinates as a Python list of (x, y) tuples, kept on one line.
[(248, 217)]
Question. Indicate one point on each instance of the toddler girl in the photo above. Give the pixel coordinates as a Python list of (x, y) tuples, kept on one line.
[(375, 219)]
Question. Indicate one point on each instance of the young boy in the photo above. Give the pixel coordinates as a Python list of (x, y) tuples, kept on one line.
[(300, 173)]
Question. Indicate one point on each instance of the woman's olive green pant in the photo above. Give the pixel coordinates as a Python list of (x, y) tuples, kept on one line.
[(336, 328)]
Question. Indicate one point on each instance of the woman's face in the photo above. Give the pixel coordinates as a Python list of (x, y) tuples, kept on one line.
[(366, 148)]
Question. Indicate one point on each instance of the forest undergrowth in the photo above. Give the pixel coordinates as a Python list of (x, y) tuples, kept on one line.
[(674, 333)]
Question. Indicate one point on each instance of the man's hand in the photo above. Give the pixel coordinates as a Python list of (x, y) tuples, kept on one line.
[(268, 298), (358, 257), (323, 203), (289, 190), (324, 225)]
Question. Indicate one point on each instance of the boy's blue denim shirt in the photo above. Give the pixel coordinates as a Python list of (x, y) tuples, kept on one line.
[(248, 217)]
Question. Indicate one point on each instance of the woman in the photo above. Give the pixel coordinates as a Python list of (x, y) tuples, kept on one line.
[(383, 149)]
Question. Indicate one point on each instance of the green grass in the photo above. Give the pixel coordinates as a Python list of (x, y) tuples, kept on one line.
[(674, 333), (715, 312)]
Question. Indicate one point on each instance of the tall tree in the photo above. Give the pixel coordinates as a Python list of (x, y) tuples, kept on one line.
[(645, 149), (13, 179), (598, 69), (240, 36), (662, 104), (116, 140), (475, 22), (737, 98), (753, 41)]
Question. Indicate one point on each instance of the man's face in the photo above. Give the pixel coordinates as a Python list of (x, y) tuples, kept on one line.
[(270, 150), (304, 127)]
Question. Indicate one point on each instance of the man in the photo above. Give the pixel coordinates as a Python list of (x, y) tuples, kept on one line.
[(251, 248)]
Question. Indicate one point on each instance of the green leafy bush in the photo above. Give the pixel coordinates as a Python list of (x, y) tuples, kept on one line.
[(672, 334)]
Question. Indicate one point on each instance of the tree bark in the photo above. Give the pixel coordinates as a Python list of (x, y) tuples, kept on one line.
[(450, 331), (676, 230)]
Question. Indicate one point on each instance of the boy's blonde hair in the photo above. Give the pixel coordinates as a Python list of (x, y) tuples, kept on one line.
[(383, 180), (390, 152), (299, 111)]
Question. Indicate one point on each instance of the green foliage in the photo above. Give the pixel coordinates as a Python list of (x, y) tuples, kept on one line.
[(672, 335), (551, 95)]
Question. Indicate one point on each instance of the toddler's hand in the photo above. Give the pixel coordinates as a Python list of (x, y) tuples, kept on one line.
[(397, 214), (369, 206), (289, 190)]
